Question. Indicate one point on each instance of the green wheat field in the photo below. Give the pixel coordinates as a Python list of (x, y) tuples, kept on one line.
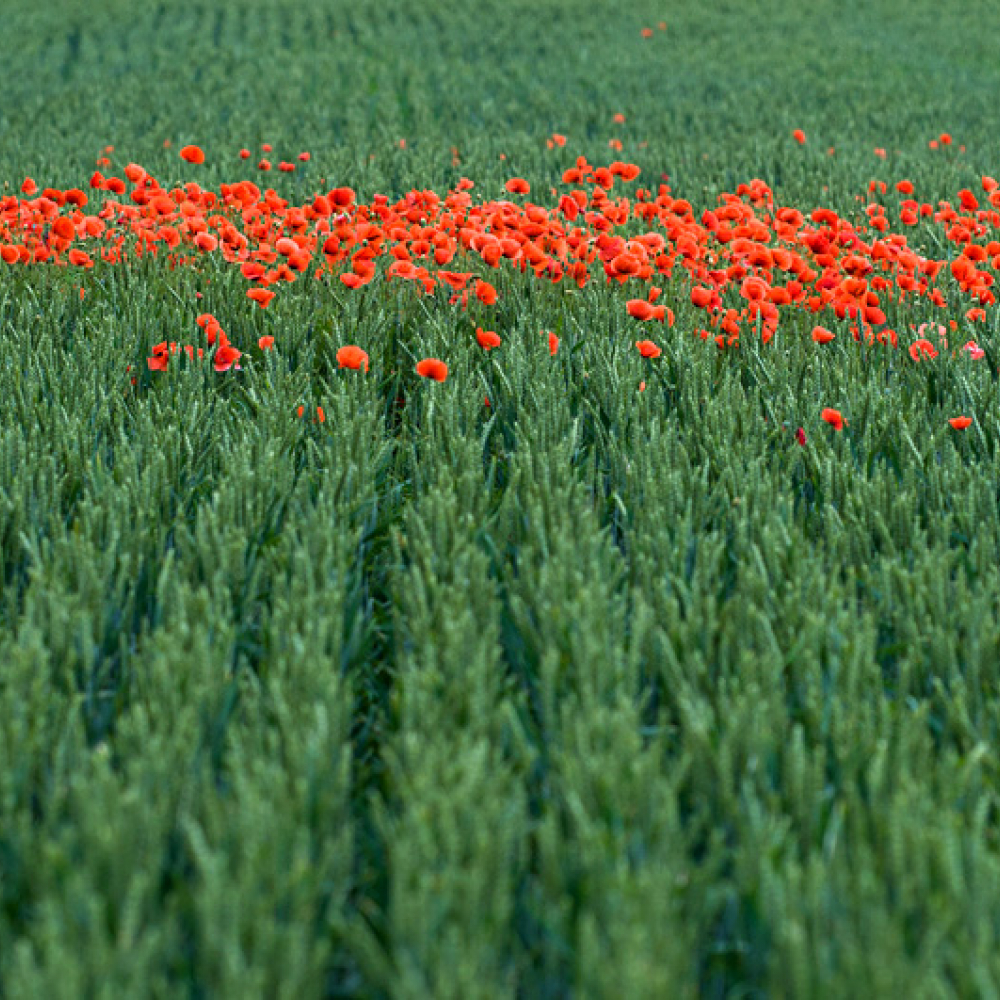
[(621, 619)]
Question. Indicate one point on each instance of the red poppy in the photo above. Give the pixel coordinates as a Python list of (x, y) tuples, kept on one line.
[(342, 197), (553, 344), (486, 293), (192, 154), (487, 339), (834, 418), (266, 343), (262, 296), (648, 349), (922, 347), (224, 357), (960, 423), (432, 368), (352, 357), (518, 185), (822, 335), (64, 228), (701, 296), (799, 136), (640, 309)]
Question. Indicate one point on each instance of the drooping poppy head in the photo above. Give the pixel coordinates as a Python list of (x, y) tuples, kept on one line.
[(262, 296), (834, 418), (487, 339), (352, 357), (192, 154), (639, 309), (432, 368), (648, 349)]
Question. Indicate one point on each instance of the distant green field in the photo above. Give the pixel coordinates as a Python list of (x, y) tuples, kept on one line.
[(608, 666)]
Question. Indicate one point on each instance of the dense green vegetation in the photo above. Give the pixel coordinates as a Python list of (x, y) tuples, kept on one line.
[(591, 692)]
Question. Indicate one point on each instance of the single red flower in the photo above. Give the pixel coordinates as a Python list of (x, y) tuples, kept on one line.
[(487, 339), (834, 418), (922, 347), (224, 358), (352, 357), (262, 296), (486, 293), (640, 309), (648, 349), (432, 368)]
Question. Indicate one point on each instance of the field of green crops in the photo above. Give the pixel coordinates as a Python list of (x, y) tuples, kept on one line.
[(573, 570)]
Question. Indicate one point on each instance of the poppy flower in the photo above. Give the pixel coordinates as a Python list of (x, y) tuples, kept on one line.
[(64, 228), (342, 197), (486, 293), (80, 259), (352, 357), (701, 297), (487, 339), (799, 136), (224, 358), (833, 418), (262, 296), (553, 344), (822, 335), (922, 348), (266, 343), (432, 368), (960, 423), (648, 349), (192, 154), (518, 185), (640, 309), (975, 351), (800, 436)]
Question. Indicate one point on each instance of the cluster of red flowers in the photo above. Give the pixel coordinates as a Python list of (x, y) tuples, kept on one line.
[(744, 262)]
